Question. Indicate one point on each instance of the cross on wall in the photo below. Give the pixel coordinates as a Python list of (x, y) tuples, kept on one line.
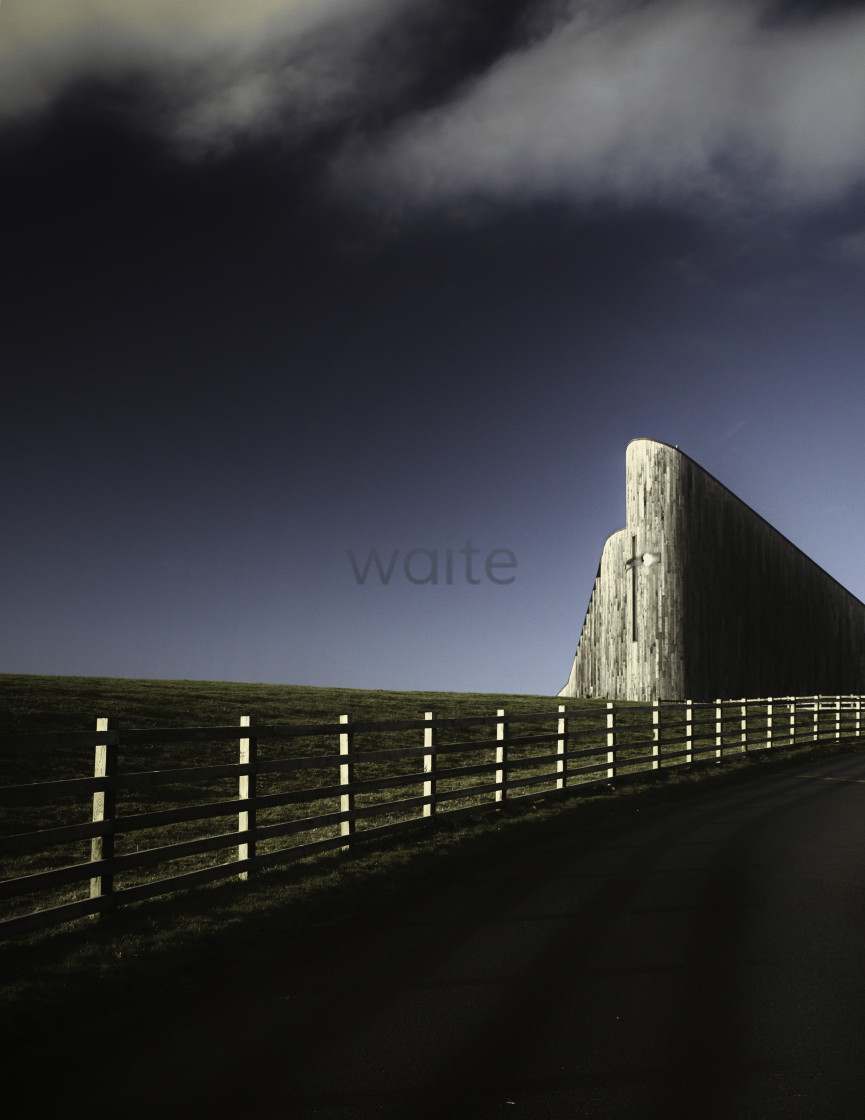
[(645, 560)]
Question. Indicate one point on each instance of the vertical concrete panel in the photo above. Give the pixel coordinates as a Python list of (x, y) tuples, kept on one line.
[(601, 658), (654, 523)]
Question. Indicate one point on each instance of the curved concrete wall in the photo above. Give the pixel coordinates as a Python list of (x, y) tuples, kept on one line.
[(699, 597)]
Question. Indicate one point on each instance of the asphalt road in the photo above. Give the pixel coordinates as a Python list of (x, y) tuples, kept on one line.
[(703, 958)]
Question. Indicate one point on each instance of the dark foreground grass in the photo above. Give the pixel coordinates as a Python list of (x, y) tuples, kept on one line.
[(63, 979)]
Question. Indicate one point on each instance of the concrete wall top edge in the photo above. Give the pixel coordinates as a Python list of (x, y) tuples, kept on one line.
[(750, 509), (656, 442)]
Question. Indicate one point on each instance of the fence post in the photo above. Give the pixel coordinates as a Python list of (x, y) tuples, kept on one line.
[(769, 739), (104, 809), (838, 717), (246, 791), (561, 748), (346, 781), (816, 718), (689, 732), (858, 717), (719, 728), (793, 721), (611, 739), (656, 734), (429, 765), (501, 757)]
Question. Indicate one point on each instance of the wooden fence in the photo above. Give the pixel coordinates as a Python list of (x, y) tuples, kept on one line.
[(294, 790)]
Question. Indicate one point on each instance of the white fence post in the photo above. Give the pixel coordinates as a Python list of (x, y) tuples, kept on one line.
[(838, 717), (719, 728), (104, 809), (346, 781), (656, 734), (429, 765), (689, 732), (743, 726), (793, 700), (561, 748), (246, 791), (501, 756), (611, 739), (857, 727), (769, 739), (816, 718)]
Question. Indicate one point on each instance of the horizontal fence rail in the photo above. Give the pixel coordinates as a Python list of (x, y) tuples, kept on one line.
[(87, 844)]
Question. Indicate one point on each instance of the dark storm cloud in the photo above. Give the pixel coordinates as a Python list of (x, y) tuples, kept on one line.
[(713, 103), (214, 68)]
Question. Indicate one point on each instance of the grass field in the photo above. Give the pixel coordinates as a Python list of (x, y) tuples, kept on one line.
[(57, 977)]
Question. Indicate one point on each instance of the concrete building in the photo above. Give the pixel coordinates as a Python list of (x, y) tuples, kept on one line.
[(699, 598)]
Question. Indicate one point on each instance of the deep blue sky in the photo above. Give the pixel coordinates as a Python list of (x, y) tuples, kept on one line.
[(286, 279)]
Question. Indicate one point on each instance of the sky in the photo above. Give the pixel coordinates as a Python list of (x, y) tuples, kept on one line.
[(326, 323)]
